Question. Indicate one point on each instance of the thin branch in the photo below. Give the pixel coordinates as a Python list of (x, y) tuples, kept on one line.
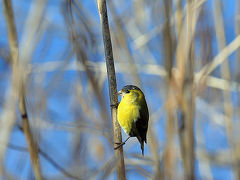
[(117, 137), (8, 116), (147, 69), (46, 156), (225, 73), (122, 40), (12, 34), (219, 59), (81, 58)]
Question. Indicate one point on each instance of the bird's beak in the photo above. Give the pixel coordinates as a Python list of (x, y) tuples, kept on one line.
[(120, 92)]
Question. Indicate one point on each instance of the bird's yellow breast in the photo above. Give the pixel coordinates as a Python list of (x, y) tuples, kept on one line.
[(129, 110)]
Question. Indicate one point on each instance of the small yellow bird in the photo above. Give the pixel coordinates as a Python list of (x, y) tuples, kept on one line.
[(133, 114)]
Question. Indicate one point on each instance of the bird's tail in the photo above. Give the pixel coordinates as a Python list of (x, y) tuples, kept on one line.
[(141, 141)]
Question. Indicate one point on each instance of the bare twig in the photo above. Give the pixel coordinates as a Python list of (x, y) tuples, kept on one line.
[(121, 38), (33, 148), (225, 73), (185, 65), (168, 51), (47, 157), (148, 69), (8, 116), (219, 59), (81, 58), (117, 137)]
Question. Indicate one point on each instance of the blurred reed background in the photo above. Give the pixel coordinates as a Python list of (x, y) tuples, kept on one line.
[(55, 112)]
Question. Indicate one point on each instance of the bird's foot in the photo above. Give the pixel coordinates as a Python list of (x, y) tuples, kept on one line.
[(119, 145), (114, 105)]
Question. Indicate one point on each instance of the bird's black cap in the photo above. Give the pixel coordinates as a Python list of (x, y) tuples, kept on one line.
[(130, 87)]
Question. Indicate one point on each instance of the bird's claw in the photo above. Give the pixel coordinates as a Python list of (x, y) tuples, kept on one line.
[(119, 145), (114, 105)]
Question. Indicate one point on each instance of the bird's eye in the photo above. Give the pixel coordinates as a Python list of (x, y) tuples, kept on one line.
[(127, 91)]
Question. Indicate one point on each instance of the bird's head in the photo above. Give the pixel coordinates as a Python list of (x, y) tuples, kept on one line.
[(131, 92)]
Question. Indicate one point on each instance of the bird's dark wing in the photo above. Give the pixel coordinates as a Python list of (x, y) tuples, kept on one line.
[(142, 122), (142, 125)]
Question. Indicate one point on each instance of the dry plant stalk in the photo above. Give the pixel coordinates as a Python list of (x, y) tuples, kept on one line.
[(185, 61), (225, 73), (180, 88), (121, 39), (12, 35), (117, 137), (81, 59), (169, 151)]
